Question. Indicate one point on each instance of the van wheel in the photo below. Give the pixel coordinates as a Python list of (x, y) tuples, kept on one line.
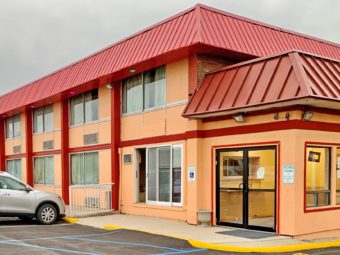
[(47, 214)]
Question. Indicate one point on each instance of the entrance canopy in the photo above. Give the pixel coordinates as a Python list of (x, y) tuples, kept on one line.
[(289, 78)]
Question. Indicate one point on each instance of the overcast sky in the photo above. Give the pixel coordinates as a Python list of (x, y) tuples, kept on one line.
[(40, 36)]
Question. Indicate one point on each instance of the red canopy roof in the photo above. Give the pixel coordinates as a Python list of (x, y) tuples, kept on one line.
[(199, 25), (291, 77)]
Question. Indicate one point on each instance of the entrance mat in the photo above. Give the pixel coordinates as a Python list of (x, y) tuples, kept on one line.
[(250, 234)]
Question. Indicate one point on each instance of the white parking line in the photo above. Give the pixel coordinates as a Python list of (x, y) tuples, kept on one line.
[(23, 226), (48, 248), (58, 237)]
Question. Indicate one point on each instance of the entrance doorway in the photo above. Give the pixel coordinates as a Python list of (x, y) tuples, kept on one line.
[(246, 187)]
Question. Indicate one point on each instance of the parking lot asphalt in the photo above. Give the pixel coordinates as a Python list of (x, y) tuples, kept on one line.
[(63, 238)]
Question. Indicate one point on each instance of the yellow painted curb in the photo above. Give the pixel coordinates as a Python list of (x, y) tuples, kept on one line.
[(70, 220), (111, 227), (232, 248), (265, 249)]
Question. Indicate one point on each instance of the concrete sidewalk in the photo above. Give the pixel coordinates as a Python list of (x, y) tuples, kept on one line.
[(209, 237), (181, 230)]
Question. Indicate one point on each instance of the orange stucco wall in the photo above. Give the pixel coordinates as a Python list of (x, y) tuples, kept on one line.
[(201, 193), (164, 120), (314, 221)]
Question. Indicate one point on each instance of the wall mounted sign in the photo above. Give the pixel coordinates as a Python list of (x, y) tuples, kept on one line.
[(127, 158), (314, 156), (288, 173), (191, 173)]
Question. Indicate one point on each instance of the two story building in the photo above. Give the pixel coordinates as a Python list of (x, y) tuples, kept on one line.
[(205, 110)]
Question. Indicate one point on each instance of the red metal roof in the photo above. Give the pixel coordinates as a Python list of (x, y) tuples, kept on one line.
[(229, 31), (199, 25), (266, 81)]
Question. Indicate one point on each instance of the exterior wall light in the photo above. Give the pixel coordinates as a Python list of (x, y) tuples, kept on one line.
[(307, 115), (277, 116), (239, 117), (287, 115), (109, 86)]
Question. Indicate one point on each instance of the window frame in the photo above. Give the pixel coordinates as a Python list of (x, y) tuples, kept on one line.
[(332, 178), (11, 120), (43, 184), (337, 168), (161, 203), (83, 109), (43, 120), (83, 159), (143, 94)]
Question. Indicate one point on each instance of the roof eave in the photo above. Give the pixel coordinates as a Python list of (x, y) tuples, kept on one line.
[(332, 103)]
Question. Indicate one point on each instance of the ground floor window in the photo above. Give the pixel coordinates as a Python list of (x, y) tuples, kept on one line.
[(14, 168), (160, 175), (44, 170), (338, 175), (318, 176), (84, 168)]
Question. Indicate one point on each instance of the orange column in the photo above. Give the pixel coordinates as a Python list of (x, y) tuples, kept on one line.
[(29, 146), (2, 145), (65, 164), (115, 140)]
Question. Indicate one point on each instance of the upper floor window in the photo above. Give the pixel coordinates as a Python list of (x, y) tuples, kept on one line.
[(43, 119), (84, 108), (144, 91), (13, 127)]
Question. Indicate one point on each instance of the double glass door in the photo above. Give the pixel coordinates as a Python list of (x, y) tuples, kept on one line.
[(246, 187)]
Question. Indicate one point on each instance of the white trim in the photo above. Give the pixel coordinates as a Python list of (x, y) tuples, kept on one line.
[(163, 107), (106, 119), (47, 132), (150, 202), (15, 138), (177, 103), (136, 175)]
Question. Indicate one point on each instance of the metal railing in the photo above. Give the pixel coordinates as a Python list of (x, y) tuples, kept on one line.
[(89, 200)]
